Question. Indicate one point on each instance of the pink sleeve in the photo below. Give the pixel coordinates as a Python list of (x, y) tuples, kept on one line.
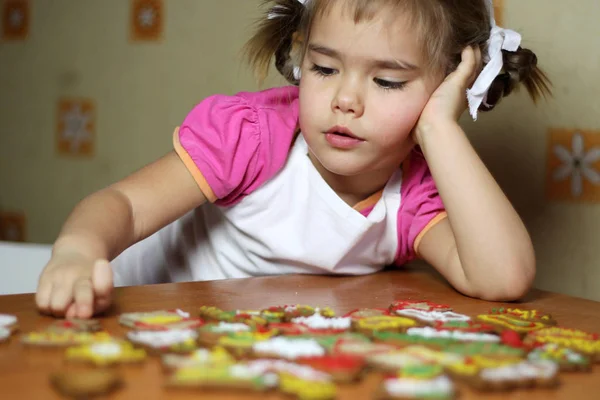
[(233, 144), (421, 206)]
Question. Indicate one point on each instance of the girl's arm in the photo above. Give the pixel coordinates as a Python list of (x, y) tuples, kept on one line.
[(103, 225), (483, 248)]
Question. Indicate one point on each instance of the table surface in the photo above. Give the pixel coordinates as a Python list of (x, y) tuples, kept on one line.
[(25, 372)]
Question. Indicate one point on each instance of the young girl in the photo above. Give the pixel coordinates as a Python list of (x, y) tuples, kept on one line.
[(359, 164)]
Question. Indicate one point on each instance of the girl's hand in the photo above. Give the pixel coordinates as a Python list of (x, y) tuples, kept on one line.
[(74, 286), (449, 100)]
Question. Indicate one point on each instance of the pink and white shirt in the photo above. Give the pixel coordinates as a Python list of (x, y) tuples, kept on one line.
[(269, 210)]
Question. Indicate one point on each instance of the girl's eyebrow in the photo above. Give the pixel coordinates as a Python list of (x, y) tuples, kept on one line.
[(381, 64)]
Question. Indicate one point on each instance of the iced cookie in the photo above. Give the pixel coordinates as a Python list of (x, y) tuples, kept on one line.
[(171, 341), (460, 336), (357, 347), (198, 358), (239, 344), (8, 325), (106, 353), (371, 325), (541, 373), (210, 333), (249, 317), (86, 384), (342, 367), (289, 312), (511, 322), (64, 338), (287, 348), (567, 359), (464, 326), (526, 315), (411, 356), (417, 382), (588, 344), (305, 389), (361, 313), (432, 317), (160, 320), (225, 377), (75, 325), (317, 322), (421, 305)]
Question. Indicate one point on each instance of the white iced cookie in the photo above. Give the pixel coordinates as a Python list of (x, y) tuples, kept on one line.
[(428, 332), (159, 339), (527, 370), (4, 334), (7, 320), (230, 327), (300, 371), (317, 321), (431, 316), (440, 387), (289, 348), (106, 349)]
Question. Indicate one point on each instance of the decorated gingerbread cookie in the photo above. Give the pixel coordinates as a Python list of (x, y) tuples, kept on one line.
[(171, 341), (542, 373), (342, 367), (302, 388), (421, 305), (410, 356), (63, 339), (289, 312), (464, 326), (497, 350), (287, 348), (210, 333), (400, 339), (371, 325), (106, 353), (160, 320), (226, 377), (361, 313), (526, 315), (75, 325), (460, 336), (357, 347), (431, 317), (588, 344), (86, 384), (417, 382), (8, 325), (567, 359), (511, 322), (239, 344), (317, 322), (198, 358)]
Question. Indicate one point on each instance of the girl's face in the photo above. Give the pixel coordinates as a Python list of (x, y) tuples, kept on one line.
[(362, 90)]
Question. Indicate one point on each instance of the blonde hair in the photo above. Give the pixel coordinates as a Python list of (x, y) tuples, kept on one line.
[(445, 28)]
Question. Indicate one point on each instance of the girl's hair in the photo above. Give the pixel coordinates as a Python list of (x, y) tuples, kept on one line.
[(445, 28)]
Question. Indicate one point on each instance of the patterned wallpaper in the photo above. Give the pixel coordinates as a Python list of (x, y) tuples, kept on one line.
[(90, 91)]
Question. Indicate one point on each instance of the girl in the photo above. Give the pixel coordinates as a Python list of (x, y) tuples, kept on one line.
[(359, 164)]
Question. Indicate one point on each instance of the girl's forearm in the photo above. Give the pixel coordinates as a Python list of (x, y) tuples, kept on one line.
[(100, 226), (492, 242)]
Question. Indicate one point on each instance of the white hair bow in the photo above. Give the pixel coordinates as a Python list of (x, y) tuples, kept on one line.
[(500, 39)]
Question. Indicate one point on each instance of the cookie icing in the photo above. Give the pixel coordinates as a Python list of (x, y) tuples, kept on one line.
[(439, 387), (159, 339), (431, 316), (429, 332), (317, 321), (289, 349), (7, 320)]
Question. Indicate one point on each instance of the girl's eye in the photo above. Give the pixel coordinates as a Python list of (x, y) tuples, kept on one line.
[(322, 71), (389, 85)]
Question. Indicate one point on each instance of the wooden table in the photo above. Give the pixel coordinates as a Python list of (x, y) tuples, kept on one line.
[(24, 372)]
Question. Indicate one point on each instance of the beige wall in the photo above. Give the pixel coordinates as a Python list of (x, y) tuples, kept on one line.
[(80, 48)]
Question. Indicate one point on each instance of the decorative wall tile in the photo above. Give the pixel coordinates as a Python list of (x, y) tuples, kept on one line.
[(15, 19), (75, 127), (12, 226), (147, 20), (573, 166)]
